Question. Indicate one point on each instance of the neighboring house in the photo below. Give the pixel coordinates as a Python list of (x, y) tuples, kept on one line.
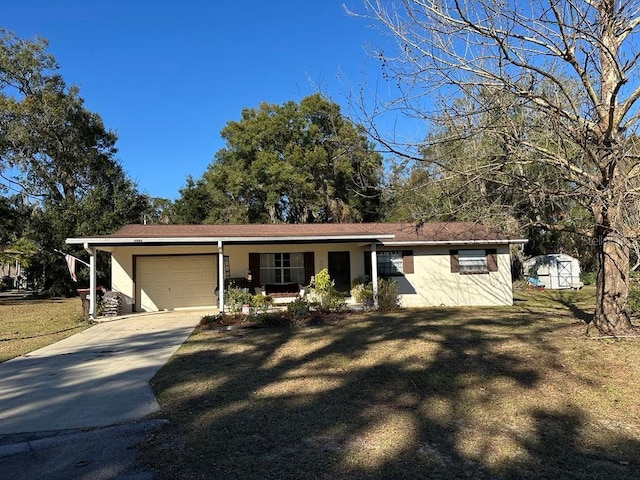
[(11, 272), (157, 267)]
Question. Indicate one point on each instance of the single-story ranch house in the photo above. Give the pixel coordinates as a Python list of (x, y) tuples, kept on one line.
[(158, 267)]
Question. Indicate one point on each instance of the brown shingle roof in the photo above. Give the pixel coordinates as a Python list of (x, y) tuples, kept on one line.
[(249, 230), (402, 232)]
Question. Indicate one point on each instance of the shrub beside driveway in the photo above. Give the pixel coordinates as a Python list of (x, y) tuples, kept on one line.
[(434, 393)]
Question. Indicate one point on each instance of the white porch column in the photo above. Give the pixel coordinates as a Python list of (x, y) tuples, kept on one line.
[(374, 274), (220, 277), (92, 281)]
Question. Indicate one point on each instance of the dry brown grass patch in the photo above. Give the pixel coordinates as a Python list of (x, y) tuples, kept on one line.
[(26, 325), (434, 393)]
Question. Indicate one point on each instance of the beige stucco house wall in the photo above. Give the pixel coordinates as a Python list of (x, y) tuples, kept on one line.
[(433, 283)]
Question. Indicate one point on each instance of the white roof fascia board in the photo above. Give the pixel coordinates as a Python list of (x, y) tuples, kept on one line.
[(194, 240), (456, 242)]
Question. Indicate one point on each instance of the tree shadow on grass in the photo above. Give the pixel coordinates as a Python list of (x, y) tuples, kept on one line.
[(45, 334), (404, 395), (579, 313), (565, 300)]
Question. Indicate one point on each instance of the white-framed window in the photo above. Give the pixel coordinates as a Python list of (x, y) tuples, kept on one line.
[(282, 268), (472, 261), (389, 263)]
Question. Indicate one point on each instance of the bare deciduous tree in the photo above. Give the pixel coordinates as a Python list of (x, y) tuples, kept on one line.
[(572, 66)]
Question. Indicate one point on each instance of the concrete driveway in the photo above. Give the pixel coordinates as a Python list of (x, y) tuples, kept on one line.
[(95, 378)]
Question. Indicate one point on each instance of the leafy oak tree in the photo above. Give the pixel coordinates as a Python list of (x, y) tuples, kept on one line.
[(571, 67), (194, 204), (295, 162), (61, 157)]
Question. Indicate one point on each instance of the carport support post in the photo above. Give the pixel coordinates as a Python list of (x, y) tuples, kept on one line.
[(92, 281), (374, 274), (220, 277)]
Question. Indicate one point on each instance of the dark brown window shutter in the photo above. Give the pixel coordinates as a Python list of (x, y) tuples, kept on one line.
[(254, 268), (367, 264), (309, 267), (455, 264), (407, 261), (492, 260)]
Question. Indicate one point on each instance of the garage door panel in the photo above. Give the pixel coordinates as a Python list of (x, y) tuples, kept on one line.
[(190, 264), (161, 277), (182, 290), (168, 282), (193, 276)]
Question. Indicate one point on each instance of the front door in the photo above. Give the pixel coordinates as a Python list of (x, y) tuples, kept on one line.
[(340, 270)]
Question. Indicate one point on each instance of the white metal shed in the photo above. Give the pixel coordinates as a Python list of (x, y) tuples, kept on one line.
[(555, 270)]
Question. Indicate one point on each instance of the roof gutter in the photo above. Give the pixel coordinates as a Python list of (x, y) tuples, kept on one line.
[(513, 241)]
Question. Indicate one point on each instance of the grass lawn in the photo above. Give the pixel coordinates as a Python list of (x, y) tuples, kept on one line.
[(26, 325), (481, 393)]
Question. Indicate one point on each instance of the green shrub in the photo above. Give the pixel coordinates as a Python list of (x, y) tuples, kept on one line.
[(363, 293), (388, 298), (588, 278), (633, 300), (261, 302), (298, 308), (223, 320), (321, 283), (323, 288), (333, 303), (234, 298)]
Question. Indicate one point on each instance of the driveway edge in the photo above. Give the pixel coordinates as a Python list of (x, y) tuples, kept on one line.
[(57, 440)]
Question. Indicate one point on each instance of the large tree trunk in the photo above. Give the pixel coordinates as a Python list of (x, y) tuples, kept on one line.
[(612, 315)]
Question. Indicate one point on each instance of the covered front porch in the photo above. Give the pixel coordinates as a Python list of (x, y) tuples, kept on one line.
[(181, 274)]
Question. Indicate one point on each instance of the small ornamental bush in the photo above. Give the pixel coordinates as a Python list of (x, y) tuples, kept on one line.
[(298, 308), (334, 304), (388, 298), (261, 302), (223, 320), (234, 298), (321, 283), (363, 293), (323, 288)]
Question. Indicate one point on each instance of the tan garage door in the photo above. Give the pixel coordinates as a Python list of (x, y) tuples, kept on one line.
[(176, 281)]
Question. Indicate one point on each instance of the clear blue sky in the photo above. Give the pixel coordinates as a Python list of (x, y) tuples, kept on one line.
[(167, 76)]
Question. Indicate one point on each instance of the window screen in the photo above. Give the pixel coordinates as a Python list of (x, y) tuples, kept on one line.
[(282, 268), (472, 261)]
